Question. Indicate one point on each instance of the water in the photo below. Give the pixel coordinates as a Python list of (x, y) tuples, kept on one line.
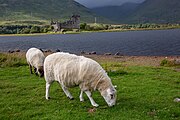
[(154, 42)]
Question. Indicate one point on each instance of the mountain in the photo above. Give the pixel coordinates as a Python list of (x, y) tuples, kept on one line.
[(116, 13), (157, 11), (150, 11), (43, 10)]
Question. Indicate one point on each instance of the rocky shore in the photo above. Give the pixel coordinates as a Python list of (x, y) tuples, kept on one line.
[(108, 57)]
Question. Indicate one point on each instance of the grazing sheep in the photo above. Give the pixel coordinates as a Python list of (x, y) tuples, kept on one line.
[(35, 58), (177, 100), (70, 70)]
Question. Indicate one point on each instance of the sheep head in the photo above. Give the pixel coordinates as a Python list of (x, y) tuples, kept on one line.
[(41, 71), (109, 96)]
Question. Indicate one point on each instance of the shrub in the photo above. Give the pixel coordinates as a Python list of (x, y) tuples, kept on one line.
[(168, 63), (117, 72), (164, 62), (106, 27), (88, 27)]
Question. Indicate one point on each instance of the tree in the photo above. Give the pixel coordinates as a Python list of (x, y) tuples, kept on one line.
[(25, 31), (83, 26), (35, 29)]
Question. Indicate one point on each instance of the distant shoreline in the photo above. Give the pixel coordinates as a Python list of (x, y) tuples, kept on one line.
[(98, 31)]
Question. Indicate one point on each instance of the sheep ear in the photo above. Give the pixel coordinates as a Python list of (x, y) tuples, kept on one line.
[(115, 86)]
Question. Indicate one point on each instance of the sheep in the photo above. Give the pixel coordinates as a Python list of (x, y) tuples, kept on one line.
[(35, 58), (70, 70)]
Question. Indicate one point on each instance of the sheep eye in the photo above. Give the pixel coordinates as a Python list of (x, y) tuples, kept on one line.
[(112, 96)]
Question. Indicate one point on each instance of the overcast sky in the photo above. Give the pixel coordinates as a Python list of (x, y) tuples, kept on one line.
[(97, 3)]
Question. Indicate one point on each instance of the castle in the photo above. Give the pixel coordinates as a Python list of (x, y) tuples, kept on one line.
[(73, 23)]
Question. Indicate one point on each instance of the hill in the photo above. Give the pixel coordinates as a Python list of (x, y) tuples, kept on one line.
[(150, 11), (43, 10)]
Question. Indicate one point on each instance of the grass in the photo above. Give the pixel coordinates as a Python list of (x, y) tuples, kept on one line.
[(144, 93), (12, 60)]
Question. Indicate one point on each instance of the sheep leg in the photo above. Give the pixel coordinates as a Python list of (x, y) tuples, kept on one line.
[(30, 67), (81, 96), (47, 90), (66, 91), (93, 103), (35, 71)]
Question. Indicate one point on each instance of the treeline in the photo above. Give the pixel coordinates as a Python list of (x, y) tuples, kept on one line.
[(96, 27), (93, 27), (28, 29), (24, 29)]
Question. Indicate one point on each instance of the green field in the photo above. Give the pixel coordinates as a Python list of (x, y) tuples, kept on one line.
[(144, 93)]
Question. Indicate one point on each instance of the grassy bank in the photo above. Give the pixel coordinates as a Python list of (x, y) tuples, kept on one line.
[(144, 93), (82, 31)]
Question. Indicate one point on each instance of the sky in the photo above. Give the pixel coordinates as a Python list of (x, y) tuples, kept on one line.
[(97, 3)]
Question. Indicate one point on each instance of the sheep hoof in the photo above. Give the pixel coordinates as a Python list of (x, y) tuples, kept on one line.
[(81, 100), (95, 105), (47, 98), (71, 98)]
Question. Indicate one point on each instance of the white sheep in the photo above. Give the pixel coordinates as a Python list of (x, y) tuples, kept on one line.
[(35, 58), (70, 70)]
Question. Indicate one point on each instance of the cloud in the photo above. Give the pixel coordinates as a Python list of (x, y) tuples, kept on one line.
[(97, 3)]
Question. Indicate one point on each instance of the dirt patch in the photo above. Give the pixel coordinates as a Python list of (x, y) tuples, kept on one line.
[(133, 60)]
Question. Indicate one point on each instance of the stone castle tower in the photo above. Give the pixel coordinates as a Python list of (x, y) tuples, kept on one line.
[(73, 23)]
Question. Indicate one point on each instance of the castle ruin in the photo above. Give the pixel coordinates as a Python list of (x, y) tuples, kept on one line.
[(73, 23)]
